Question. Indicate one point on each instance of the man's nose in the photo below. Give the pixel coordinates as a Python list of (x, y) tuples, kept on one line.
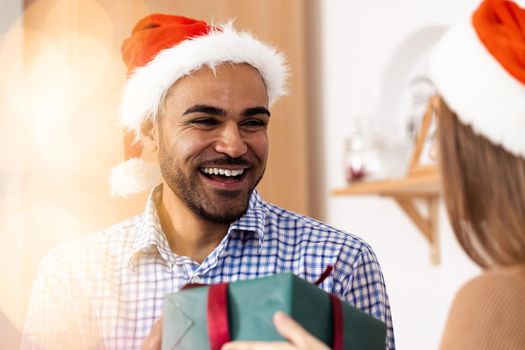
[(230, 141)]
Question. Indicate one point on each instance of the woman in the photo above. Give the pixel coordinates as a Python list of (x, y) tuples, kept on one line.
[(478, 68)]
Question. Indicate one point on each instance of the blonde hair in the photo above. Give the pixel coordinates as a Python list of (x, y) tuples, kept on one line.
[(484, 190)]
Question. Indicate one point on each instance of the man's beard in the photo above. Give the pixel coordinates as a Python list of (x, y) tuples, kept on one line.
[(186, 188)]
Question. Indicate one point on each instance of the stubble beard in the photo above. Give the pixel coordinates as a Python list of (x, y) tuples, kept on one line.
[(186, 188)]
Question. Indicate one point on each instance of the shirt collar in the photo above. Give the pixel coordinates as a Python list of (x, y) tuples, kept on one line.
[(254, 218), (151, 239), (250, 224)]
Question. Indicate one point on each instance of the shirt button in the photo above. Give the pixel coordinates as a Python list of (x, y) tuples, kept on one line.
[(196, 279)]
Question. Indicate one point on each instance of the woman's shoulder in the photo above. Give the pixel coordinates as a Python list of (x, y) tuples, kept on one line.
[(507, 280), (488, 311), (496, 291)]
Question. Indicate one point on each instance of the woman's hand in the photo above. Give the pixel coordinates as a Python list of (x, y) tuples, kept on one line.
[(298, 338)]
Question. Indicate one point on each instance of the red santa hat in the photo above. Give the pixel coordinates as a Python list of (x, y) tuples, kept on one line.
[(478, 68), (161, 50)]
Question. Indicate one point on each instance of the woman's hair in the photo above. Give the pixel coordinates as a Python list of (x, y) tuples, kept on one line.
[(484, 189)]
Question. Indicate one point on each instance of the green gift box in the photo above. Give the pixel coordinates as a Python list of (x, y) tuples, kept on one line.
[(247, 309)]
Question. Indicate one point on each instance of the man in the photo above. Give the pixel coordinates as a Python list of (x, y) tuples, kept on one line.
[(199, 96)]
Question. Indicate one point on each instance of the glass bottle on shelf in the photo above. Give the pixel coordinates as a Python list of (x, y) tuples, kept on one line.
[(362, 154)]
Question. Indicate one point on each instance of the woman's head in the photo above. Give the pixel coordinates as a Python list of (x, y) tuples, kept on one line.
[(478, 68), (484, 191)]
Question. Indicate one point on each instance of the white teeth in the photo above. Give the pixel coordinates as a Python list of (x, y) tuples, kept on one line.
[(225, 172)]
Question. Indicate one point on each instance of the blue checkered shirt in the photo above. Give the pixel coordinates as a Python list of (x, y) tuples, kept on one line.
[(106, 290)]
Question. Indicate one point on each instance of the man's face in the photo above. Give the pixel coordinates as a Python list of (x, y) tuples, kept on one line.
[(212, 139)]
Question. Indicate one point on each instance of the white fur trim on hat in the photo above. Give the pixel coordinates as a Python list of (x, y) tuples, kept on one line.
[(134, 176), (481, 92), (147, 85)]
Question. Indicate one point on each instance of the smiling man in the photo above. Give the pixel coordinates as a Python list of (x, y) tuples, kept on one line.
[(200, 97)]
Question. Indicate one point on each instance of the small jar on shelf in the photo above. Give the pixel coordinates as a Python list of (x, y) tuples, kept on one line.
[(362, 156)]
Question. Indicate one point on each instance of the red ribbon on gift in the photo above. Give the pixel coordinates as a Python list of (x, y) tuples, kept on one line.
[(337, 312), (218, 325), (337, 317), (219, 328)]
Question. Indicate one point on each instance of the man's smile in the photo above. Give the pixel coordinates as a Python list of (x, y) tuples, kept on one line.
[(225, 177), (222, 171)]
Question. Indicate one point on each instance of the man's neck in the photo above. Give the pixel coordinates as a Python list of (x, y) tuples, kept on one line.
[(187, 234)]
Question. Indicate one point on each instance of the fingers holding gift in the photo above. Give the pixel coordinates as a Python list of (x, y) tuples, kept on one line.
[(296, 334), (247, 345), (298, 337)]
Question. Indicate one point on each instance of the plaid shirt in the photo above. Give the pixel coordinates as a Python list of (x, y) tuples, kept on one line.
[(106, 290)]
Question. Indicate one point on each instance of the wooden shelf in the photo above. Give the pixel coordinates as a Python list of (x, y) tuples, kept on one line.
[(422, 185)]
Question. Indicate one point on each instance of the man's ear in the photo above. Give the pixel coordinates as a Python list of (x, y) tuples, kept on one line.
[(150, 135)]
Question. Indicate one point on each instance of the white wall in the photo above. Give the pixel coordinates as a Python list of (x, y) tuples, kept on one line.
[(358, 40)]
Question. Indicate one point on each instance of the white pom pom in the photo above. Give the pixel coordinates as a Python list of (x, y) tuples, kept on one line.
[(133, 176)]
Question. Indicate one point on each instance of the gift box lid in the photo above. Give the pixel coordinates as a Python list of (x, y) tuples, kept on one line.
[(250, 309)]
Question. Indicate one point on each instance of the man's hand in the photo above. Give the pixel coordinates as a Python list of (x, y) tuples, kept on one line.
[(154, 338), (298, 338)]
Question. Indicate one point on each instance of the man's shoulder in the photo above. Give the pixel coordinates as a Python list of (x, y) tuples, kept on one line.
[(110, 244), (309, 229), (318, 245)]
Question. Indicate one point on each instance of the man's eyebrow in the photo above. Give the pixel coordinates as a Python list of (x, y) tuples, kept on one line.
[(254, 111), (205, 109), (221, 112)]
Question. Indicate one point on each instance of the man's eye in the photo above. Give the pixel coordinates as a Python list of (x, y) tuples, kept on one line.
[(255, 124), (205, 122)]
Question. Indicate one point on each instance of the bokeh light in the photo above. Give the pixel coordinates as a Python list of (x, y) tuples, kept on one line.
[(60, 79)]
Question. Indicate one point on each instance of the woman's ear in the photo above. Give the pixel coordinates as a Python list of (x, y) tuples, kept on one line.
[(150, 135)]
